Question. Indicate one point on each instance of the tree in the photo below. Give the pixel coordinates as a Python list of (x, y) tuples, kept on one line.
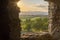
[(45, 23), (27, 25), (34, 24), (37, 23)]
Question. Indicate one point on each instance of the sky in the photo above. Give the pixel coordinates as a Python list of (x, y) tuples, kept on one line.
[(33, 5)]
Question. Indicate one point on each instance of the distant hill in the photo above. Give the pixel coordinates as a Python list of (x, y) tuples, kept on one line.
[(34, 13)]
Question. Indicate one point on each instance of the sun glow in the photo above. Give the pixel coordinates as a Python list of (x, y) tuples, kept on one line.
[(24, 7), (19, 3)]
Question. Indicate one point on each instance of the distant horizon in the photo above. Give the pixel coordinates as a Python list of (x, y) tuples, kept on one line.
[(33, 13)]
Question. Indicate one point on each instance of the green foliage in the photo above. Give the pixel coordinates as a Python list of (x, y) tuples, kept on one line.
[(34, 24)]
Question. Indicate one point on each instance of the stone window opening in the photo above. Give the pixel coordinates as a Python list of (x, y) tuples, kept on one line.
[(21, 15), (9, 29)]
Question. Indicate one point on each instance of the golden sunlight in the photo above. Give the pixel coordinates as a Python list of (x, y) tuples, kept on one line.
[(19, 3), (23, 7)]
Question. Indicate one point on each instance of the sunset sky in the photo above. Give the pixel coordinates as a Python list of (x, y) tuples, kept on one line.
[(33, 5)]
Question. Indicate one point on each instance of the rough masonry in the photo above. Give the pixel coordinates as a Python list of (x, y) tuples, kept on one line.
[(54, 18), (9, 20)]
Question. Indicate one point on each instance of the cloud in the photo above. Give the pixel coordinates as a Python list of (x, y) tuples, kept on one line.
[(33, 7), (41, 6)]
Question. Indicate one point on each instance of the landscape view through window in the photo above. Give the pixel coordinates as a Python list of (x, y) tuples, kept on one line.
[(33, 16)]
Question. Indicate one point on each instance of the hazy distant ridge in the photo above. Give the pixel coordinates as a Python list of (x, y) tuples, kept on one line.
[(34, 13)]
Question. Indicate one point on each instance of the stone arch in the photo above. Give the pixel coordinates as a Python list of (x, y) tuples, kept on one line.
[(9, 19)]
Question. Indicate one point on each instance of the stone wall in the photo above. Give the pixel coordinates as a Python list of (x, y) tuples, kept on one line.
[(9, 20), (10, 23), (4, 28), (54, 19), (45, 36)]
